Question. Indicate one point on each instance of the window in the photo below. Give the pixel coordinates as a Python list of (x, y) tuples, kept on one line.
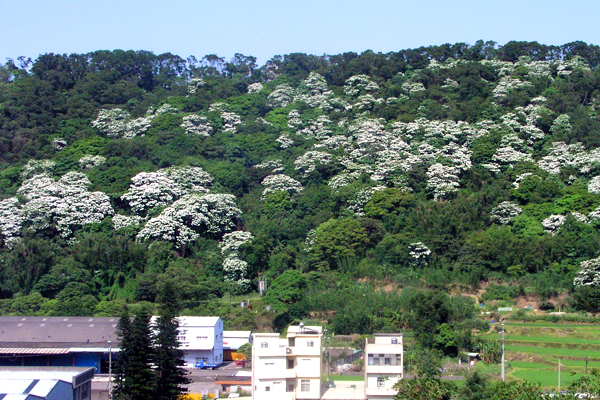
[(387, 361), (267, 388), (394, 340), (380, 381), (305, 385), (290, 387), (201, 337), (290, 363), (264, 345), (310, 343), (292, 341)]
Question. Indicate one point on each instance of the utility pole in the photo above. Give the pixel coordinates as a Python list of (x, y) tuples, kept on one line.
[(326, 354), (502, 325), (109, 367), (586, 363), (559, 375)]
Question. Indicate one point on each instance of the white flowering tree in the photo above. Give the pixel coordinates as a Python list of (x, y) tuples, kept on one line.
[(589, 274), (11, 221), (594, 185), (280, 182), (281, 96), (553, 223), (307, 162), (37, 167), (505, 212), (59, 143), (442, 180), (359, 84), (191, 216), (196, 125), (66, 204), (149, 190), (419, 253), (116, 122), (255, 87), (234, 268), (194, 84), (89, 161), (122, 221)]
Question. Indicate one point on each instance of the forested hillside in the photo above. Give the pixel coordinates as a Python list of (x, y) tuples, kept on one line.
[(345, 176)]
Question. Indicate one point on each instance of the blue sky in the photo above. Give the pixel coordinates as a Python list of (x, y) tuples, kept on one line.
[(264, 28)]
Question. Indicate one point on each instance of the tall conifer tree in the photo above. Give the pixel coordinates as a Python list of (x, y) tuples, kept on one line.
[(171, 376), (120, 362), (136, 378)]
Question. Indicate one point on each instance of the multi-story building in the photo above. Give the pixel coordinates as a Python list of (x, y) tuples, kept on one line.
[(201, 338), (290, 368), (383, 365)]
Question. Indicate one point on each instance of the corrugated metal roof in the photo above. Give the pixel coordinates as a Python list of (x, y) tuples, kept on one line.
[(57, 331), (30, 350)]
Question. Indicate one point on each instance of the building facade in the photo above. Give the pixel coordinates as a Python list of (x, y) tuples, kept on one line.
[(232, 341), (384, 361), (201, 338), (290, 368), (87, 341)]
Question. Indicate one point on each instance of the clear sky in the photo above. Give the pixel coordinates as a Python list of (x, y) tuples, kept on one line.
[(264, 28)]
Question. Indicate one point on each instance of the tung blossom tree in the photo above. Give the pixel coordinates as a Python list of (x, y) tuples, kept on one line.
[(191, 216), (505, 212), (234, 268), (280, 182), (442, 180), (196, 125), (11, 221), (66, 204), (589, 274), (149, 190)]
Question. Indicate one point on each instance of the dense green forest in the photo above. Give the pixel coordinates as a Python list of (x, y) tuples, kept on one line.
[(356, 185)]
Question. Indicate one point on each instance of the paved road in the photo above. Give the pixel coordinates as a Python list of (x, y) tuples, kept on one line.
[(204, 380)]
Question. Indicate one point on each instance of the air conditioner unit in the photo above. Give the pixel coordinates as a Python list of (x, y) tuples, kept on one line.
[(288, 350)]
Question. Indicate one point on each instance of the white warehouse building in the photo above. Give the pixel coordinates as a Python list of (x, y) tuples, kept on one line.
[(201, 338)]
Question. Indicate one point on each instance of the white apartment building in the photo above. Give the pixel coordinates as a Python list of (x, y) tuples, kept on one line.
[(202, 339), (384, 360), (290, 368)]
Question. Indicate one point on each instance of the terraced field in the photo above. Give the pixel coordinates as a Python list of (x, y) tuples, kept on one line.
[(533, 351)]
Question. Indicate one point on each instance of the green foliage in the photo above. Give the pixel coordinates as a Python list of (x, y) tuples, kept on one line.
[(246, 350), (285, 290), (360, 244), (425, 389), (340, 240)]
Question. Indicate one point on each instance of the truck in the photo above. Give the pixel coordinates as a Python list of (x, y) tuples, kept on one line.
[(204, 365)]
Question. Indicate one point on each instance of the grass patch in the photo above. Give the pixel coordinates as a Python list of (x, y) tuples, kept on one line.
[(346, 378), (528, 365), (545, 377), (554, 351)]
